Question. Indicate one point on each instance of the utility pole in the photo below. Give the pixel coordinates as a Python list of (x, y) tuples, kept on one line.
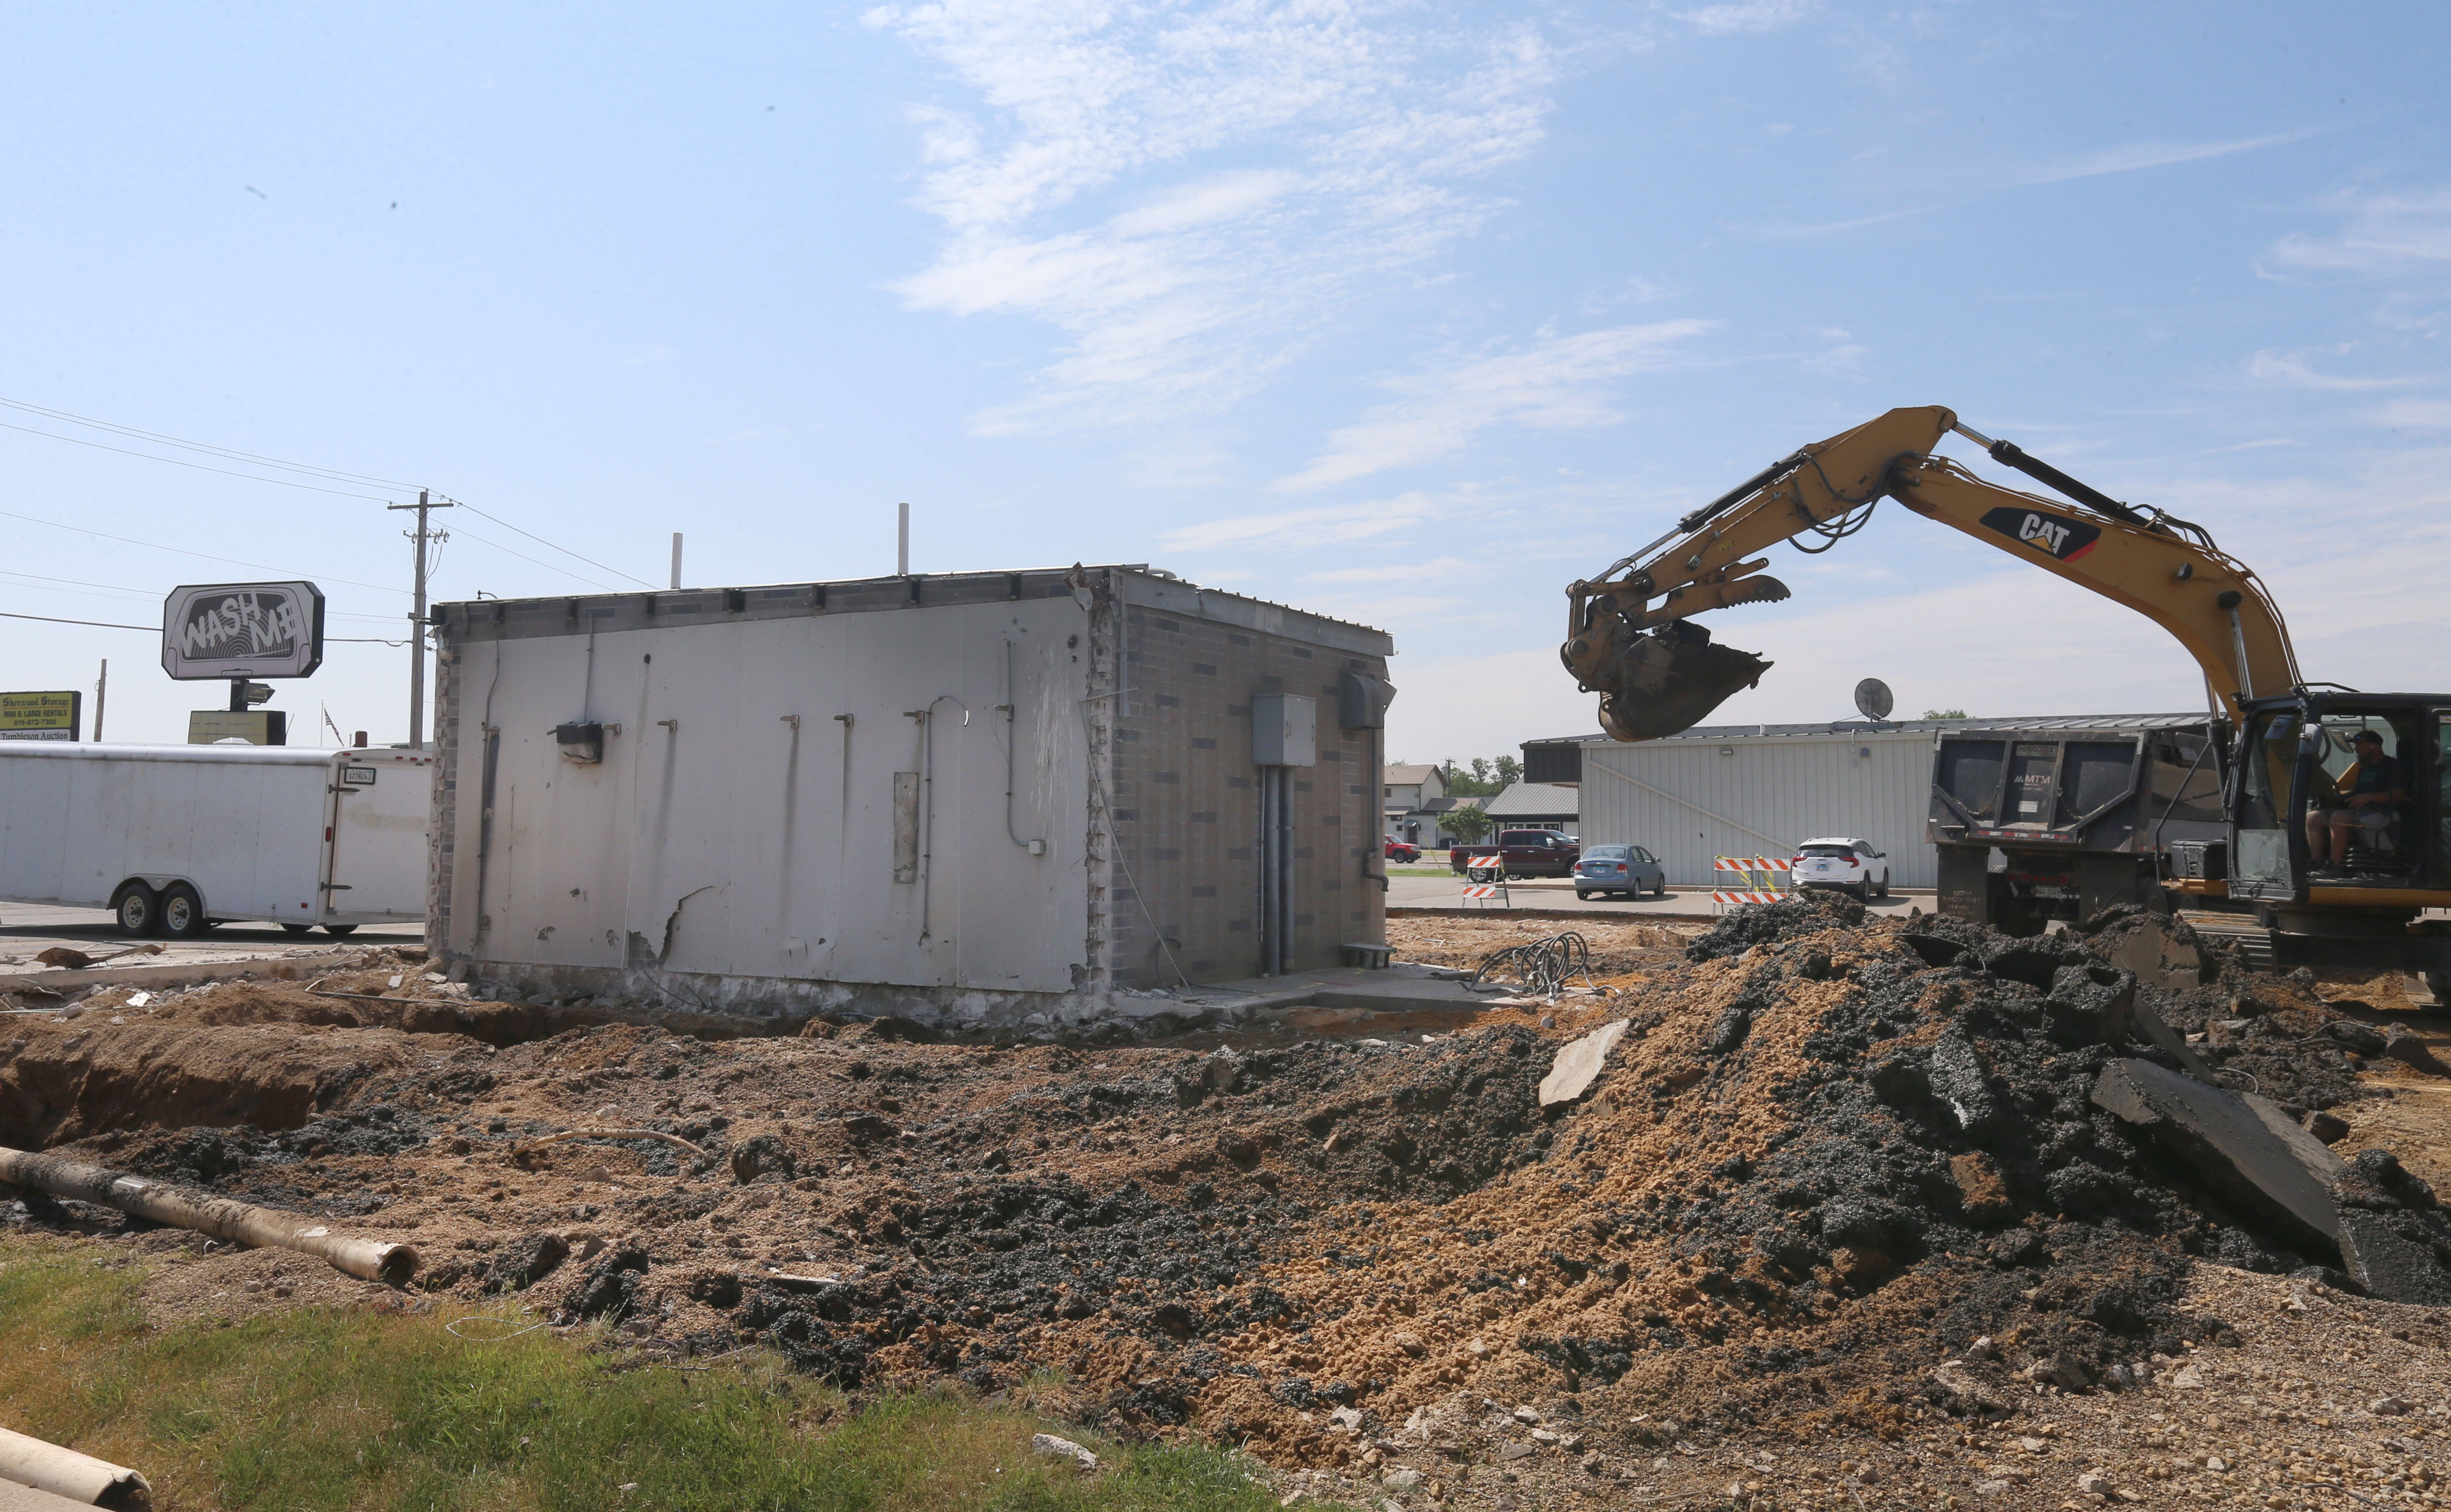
[(417, 616)]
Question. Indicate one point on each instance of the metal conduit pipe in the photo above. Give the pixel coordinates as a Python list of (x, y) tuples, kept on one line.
[(264, 1227), (1286, 865), (1268, 910)]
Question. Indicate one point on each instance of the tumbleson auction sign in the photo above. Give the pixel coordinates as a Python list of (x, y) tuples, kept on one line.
[(243, 630), (41, 715)]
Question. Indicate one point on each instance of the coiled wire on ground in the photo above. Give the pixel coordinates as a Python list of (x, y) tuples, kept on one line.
[(1543, 965)]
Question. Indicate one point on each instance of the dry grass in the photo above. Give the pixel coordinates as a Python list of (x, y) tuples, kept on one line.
[(347, 1410)]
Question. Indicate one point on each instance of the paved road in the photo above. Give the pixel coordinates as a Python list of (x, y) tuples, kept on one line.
[(25, 929), (1557, 893)]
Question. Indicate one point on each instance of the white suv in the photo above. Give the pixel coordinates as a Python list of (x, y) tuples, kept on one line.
[(1848, 865)]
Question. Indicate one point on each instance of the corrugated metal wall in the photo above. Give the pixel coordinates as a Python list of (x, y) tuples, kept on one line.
[(1689, 801)]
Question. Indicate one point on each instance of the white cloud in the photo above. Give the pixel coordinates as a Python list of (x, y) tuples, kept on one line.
[(1394, 572), (2291, 371), (1559, 383), (1307, 529), (2418, 414), (1748, 16), (2138, 155), (2383, 234), (1273, 158)]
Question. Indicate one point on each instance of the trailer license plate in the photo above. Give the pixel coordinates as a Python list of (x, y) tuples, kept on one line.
[(358, 776)]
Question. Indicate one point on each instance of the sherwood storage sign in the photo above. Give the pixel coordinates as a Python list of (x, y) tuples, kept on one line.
[(41, 715), (243, 630)]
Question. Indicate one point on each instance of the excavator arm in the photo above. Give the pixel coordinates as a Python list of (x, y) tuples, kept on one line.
[(1630, 630)]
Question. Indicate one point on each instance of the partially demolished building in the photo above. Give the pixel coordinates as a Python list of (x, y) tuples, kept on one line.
[(969, 797)]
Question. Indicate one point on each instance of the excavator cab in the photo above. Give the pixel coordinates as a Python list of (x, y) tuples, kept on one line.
[(2293, 757)]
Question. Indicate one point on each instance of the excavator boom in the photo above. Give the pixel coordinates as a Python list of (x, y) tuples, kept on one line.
[(1630, 630)]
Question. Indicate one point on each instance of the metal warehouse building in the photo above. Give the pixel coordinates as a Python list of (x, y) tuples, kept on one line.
[(1762, 789), (969, 797)]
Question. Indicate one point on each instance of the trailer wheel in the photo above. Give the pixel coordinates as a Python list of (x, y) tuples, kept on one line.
[(340, 931), (139, 909), (182, 913)]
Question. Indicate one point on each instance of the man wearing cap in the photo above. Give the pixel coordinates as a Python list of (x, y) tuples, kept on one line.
[(2372, 787)]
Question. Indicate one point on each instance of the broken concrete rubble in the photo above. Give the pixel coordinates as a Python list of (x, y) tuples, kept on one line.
[(2253, 1153), (1579, 1065)]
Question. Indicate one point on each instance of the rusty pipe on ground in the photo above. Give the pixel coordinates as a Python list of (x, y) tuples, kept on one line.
[(263, 1227), (80, 1478)]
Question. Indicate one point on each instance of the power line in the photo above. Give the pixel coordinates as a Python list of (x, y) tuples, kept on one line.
[(185, 552), (524, 557), (156, 593), (208, 450), (155, 630), (331, 474), (564, 550), (79, 441), (54, 619)]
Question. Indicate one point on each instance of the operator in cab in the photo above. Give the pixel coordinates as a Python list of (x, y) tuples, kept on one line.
[(2368, 792)]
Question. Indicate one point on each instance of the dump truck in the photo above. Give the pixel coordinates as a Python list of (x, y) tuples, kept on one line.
[(2038, 819)]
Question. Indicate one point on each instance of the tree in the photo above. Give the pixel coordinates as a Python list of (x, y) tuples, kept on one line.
[(1944, 713), (1485, 777), (1467, 823)]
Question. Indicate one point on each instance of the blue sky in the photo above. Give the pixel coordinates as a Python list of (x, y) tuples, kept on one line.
[(1409, 313)]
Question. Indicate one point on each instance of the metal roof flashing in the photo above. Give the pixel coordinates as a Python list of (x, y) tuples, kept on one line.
[(470, 620)]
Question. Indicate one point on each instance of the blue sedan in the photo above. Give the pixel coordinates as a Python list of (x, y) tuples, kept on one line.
[(1627, 868)]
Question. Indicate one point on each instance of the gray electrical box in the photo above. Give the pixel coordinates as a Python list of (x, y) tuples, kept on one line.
[(1284, 730)]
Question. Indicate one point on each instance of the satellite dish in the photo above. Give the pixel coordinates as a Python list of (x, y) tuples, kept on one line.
[(1873, 700)]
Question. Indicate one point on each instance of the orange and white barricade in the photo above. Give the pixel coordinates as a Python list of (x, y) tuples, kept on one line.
[(1491, 893), (1759, 884)]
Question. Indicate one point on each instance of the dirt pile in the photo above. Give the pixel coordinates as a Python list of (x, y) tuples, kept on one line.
[(1826, 1153)]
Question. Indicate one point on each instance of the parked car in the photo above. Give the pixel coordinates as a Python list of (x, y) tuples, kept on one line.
[(1847, 865), (1627, 868), (1398, 850), (1525, 852)]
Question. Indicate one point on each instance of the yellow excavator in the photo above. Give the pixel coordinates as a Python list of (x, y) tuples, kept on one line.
[(2286, 742)]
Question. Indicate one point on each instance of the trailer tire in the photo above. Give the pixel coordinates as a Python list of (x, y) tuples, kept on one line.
[(182, 913), (139, 909), (340, 931), (296, 928)]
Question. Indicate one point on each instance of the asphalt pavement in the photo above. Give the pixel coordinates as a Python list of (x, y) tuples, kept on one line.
[(1558, 893), (28, 928)]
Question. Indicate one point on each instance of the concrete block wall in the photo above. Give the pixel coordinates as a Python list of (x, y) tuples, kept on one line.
[(1186, 809)]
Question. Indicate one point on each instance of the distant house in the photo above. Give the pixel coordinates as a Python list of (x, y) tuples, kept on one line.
[(1425, 827), (1408, 792), (1538, 806)]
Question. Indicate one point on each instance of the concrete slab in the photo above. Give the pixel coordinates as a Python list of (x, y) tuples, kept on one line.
[(2256, 1157), (1579, 1065), (1404, 988), (27, 929)]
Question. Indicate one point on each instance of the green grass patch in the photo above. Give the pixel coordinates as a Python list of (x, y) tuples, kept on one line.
[(315, 1409)]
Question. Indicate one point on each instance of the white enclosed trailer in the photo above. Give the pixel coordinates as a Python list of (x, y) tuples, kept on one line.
[(175, 839)]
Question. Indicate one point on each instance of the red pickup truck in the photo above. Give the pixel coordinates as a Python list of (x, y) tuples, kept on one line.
[(1527, 853)]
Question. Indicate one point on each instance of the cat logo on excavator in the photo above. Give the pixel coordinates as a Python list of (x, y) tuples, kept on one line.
[(2065, 539)]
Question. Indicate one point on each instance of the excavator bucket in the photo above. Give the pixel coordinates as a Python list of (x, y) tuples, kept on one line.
[(1665, 682)]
